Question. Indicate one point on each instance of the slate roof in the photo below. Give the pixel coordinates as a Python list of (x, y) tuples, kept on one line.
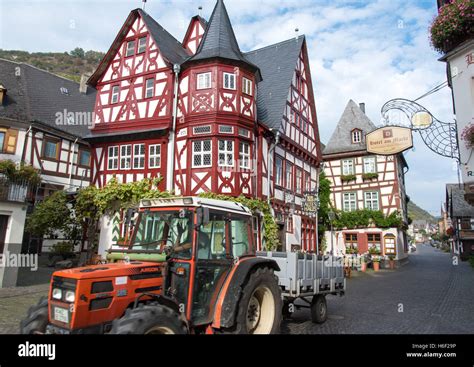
[(341, 139), (277, 64), (170, 47), (219, 38), (458, 204), (35, 96)]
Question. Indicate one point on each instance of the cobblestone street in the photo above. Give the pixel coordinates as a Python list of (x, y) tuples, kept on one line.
[(433, 295)]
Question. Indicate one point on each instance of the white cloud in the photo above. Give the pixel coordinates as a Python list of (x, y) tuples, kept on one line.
[(370, 51)]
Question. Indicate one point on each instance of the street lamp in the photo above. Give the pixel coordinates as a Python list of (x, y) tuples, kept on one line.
[(332, 216)]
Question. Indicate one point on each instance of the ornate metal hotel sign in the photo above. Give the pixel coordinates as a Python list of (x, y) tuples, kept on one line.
[(311, 202), (389, 140), (440, 137)]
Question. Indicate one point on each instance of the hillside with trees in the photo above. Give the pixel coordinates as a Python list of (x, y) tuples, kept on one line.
[(70, 65), (417, 213)]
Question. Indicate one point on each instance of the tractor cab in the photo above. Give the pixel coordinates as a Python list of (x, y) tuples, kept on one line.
[(184, 269)]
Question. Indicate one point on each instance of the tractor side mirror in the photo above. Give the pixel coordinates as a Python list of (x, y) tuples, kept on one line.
[(202, 216)]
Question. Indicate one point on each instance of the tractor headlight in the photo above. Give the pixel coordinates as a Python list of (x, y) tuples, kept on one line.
[(70, 296), (57, 293)]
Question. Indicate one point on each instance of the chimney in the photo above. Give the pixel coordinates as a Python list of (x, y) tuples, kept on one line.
[(3, 94), (362, 107), (83, 83)]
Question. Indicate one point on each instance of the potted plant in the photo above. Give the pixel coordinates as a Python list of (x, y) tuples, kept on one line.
[(376, 262), (453, 25), (468, 135), (363, 264), (391, 262)]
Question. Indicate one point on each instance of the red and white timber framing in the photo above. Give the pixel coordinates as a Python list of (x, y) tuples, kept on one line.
[(194, 34), (212, 123), (389, 187), (65, 169)]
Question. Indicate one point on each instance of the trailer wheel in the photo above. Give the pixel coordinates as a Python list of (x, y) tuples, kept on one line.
[(151, 318), (260, 306), (36, 319), (319, 309)]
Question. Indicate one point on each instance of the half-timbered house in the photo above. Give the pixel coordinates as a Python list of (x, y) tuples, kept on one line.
[(207, 117), (42, 120), (360, 180)]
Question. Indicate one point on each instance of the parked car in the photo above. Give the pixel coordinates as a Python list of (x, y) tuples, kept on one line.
[(412, 247)]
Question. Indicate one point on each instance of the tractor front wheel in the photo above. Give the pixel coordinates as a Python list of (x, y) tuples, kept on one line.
[(36, 320), (260, 306), (150, 318)]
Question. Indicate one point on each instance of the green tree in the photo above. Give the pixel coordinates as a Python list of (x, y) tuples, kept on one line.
[(78, 52), (324, 205), (53, 215)]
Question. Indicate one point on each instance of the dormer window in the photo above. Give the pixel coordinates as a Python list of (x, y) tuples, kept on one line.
[(229, 81), (356, 136), (130, 48), (141, 45)]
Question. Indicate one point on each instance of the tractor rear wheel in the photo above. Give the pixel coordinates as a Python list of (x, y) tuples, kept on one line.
[(319, 309), (36, 320), (150, 318), (260, 306)]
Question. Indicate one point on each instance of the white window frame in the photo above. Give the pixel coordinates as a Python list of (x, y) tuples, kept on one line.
[(228, 154), (244, 155), (130, 51), (203, 81), (231, 82), (113, 158), (125, 157), (356, 136), (140, 156), (150, 89), (289, 175), (247, 86), (367, 163), (202, 153), (371, 200), (141, 45), (349, 201), (154, 156), (115, 94), (299, 180), (279, 172), (348, 169)]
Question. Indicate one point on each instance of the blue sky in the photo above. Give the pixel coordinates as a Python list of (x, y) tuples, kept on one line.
[(368, 51)]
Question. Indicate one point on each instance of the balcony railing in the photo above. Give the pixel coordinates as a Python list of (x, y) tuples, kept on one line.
[(19, 191)]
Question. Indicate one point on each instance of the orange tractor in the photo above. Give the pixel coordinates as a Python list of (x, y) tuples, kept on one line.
[(191, 267)]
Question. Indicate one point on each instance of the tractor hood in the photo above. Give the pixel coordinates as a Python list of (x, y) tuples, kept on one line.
[(110, 270)]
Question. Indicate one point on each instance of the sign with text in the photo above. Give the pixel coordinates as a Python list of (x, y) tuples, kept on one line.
[(389, 140)]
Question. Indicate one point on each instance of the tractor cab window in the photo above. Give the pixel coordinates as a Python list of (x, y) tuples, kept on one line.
[(241, 236), (160, 230), (212, 239)]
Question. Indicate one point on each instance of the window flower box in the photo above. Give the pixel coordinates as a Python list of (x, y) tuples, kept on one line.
[(467, 135), (348, 178), (453, 25), (370, 176)]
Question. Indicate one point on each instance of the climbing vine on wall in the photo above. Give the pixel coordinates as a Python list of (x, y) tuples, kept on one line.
[(366, 218), (257, 207)]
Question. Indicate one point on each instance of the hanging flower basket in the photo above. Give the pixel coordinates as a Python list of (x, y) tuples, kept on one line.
[(467, 135), (453, 25)]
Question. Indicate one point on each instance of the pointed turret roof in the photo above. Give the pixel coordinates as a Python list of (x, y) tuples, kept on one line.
[(219, 39), (341, 140)]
